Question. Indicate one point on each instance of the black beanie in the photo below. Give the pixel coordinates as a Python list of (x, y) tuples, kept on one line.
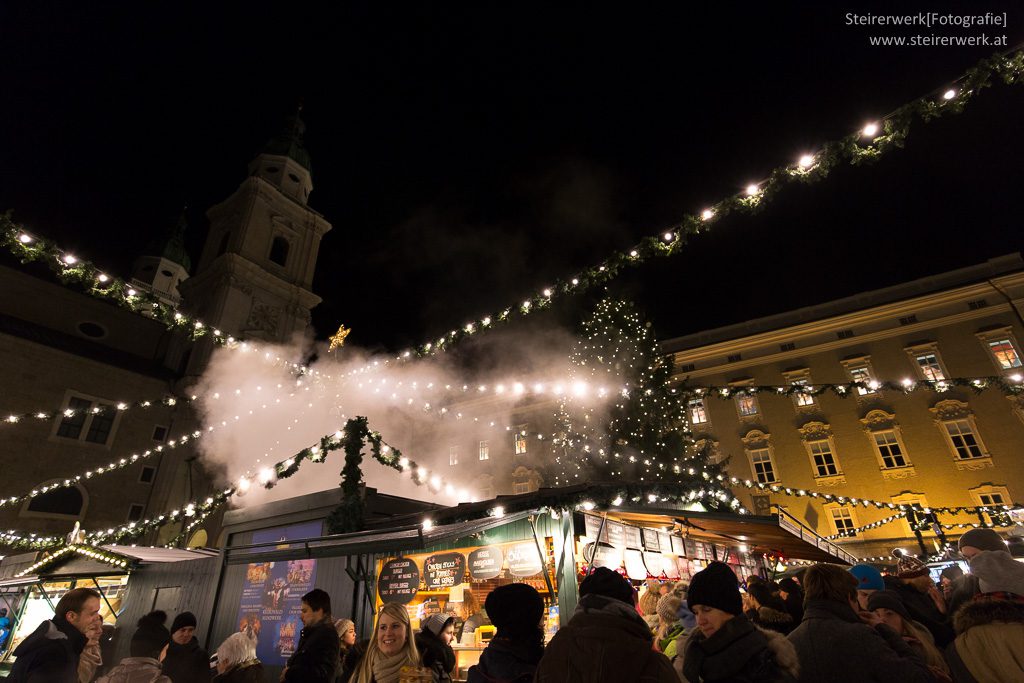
[(762, 592), (889, 600), (151, 636), (716, 587), (604, 581), (182, 620), (515, 609)]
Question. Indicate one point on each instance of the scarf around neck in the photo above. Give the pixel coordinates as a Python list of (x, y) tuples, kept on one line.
[(386, 669)]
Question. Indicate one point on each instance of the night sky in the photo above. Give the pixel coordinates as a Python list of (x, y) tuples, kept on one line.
[(467, 155)]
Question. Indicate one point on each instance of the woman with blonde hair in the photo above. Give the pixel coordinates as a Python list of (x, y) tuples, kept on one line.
[(391, 647), (888, 606)]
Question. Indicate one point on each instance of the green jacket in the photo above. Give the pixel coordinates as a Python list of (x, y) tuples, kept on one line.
[(667, 645)]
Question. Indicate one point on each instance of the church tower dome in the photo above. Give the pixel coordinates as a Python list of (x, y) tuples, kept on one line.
[(165, 264), (284, 161)]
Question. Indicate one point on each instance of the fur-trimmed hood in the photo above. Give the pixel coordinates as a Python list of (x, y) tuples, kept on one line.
[(986, 611), (774, 616)]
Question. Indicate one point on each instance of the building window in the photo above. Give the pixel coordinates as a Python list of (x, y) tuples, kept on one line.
[(698, 413), (803, 400), (842, 519), (135, 511), (859, 370), (822, 458), (889, 449), (963, 439), (912, 499), (929, 367), (976, 304), (279, 251), (1005, 354), (521, 487), (453, 455), (519, 439), (763, 466), (993, 496), (159, 433), (147, 475), (87, 420), (746, 405), (689, 367), (63, 502), (485, 451), (991, 499)]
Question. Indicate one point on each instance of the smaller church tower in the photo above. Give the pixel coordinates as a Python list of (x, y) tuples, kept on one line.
[(164, 265)]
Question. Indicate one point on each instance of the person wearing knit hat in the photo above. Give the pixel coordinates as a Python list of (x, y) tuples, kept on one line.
[(869, 580), (726, 645), (518, 645), (915, 588), (605, 640), (976, 540), (793, 597), (669, 626), (146, 645), (185, 660), (893, 613), (434, 645)]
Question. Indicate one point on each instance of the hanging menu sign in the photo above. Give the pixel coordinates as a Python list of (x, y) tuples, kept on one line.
[(677, 545), (691, 547), (444, 570), (592, 525), (485, 563), (635, 567), (615, 534), (664, 542), (524, 560), (633, 538), (651, 541), (398, 581), (653, 563), (606, 556)]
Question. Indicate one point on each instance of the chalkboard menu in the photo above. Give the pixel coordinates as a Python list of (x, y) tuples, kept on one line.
[(651, 540), (633, 538), (398, 581), (592, 524), (524, 560), (485, 563), (444, 570)]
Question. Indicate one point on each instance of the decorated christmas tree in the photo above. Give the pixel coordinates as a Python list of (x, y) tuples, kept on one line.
[(621, 419)]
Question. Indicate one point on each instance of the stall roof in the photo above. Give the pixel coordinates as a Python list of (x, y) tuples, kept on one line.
[(153, 555), (408, 537)]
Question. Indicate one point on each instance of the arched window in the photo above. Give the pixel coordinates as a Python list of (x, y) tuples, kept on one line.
[(279, 251), (67, 501), (198, 539)]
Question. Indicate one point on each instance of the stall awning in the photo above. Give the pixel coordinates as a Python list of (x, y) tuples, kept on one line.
[(407, 538)]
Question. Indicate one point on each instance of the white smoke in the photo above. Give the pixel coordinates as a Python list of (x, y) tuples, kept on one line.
[(263, 412)]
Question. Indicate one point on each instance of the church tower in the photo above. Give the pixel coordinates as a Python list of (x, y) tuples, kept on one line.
[(255, 273), (164, 265)]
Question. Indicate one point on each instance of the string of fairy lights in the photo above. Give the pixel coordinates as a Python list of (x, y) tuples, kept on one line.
[(1011, 385), (865, 145)]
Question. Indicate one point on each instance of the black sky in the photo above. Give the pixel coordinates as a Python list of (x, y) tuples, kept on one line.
[(469, 153)]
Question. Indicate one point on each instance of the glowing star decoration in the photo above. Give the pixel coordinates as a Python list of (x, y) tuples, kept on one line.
[(338, 340)]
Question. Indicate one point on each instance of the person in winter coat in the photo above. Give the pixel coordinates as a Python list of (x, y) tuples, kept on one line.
[(185, 661), (922, 598), (606, 640), (51, 653), (838, 644), (391, 648), (517, 646), (993, 565), (869, 580), (5, 627), (237, 662), (146, 647), (669, 625), (472, 617), (315, 659), (893, 612), (434, 645), (91, 659), (768, 611), (346, 629), (725, 646), (351, 660), (793, 597)]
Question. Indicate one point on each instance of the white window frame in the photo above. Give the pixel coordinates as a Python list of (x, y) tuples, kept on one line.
[(852, 366), (816, 432), (850, 513), (952, 411), (823, 447), (763, 450), (987, 337), (756, 441), (520, 487), (983, 494), (801, 377), (692, 405), (453, 456), (878, 421), (484, 450), (918, 351), (519, 442), (87, 423), (737, 398)]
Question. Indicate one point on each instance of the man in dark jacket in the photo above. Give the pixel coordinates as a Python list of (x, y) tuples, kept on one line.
[(315, 660), (606, 639), (514, 651), (837, 644), (186, 662), (50, 654), (922, 598)]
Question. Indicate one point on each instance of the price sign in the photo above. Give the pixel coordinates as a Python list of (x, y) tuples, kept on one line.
[(444, 570), (398, 581)]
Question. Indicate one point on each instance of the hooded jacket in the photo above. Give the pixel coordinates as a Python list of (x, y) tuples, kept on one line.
[(738, 652), (834, 645), (771, 619), (436, 655), (246, 672), (606, 640), (187, 663), (506, 661), (990, 641), (135, 670), (49, 655), (316, 659)]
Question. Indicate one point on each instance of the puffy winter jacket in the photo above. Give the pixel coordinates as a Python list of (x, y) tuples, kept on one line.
[(990, 641)]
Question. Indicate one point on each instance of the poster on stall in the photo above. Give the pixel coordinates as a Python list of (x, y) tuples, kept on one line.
[(272, 595)]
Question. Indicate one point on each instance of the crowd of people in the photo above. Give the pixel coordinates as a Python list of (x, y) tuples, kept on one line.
[(833, 624)]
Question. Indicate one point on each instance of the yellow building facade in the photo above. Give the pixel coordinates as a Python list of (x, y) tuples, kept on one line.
[(948, 446)]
